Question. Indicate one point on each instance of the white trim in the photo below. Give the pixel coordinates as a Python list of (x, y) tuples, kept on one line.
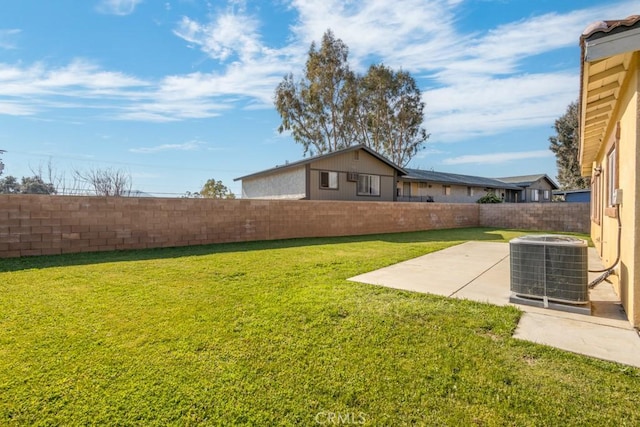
[(612, 44)]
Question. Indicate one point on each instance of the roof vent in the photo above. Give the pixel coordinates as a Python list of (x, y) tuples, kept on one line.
[(550, 271)]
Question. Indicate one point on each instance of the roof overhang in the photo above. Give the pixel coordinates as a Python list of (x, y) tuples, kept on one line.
[(611, 45), (606, 58), (601, 83)]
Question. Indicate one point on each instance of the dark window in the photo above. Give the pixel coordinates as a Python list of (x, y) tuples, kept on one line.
[(329, 180), (368, 185)]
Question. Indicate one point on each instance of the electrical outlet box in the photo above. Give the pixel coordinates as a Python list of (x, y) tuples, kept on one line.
[(617, 197)]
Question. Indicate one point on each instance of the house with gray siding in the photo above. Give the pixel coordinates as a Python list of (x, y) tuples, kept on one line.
[(431, 186), (535, 188), (354, 173)]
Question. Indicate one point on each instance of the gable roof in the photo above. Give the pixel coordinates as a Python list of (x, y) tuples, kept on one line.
[(456, 179), (322, 157), (606, 48), (527, 180)]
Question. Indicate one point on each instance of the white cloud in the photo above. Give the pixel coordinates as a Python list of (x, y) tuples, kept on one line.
[(7, 37), (80, 77), (493, 158), (484, 106), (16, 109), (118, 7), (35, 88), (186, 146), (473, 82), (412, 34), (230, 34)]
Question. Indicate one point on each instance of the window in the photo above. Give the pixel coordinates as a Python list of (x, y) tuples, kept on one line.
[(470, 191), (446, 190), (329, 180), (611, 182), (368, 185), (535, 196), (596, 194), (546, 194), (612, 174)]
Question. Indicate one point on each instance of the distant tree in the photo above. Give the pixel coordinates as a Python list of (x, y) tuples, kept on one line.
[(47, 174), (190, 195), (390, 114), (35, 185), (319, 110), (216, 190), (9, 185), (565, 144), (104, 182), (331, 108), (29, 185), (1, 164)]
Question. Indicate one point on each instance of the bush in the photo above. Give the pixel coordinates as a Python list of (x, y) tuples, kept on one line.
[(490, 198)]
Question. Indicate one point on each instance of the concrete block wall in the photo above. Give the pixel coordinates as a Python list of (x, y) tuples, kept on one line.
[(563, 217), (46, 225)]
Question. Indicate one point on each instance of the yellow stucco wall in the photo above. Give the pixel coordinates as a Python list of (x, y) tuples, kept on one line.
[(605, 235)]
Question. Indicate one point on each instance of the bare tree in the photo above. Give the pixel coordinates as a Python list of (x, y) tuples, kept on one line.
[(1, 164), (48, 174), (105, 182)]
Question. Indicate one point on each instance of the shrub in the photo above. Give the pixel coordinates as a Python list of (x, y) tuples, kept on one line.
[(490, 198)]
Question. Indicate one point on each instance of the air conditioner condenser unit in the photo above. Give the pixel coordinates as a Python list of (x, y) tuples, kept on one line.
[(550, 271)]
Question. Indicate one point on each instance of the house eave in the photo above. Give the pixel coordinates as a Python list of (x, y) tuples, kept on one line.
[(611, 45), (601, 84), (606, 58)]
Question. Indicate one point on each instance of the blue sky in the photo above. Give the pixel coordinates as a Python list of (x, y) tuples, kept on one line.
[(176, 92)]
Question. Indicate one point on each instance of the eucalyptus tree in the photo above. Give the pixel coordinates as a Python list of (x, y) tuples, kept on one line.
[(319, 109), (331, 107), (566, 144), (390, 113)]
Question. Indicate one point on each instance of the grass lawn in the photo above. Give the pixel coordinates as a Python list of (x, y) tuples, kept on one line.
[(272, 333)]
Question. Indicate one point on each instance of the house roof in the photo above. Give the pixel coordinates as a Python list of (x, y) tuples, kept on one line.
[(452, 178), (324, 156), (607, 48), (527, 180), (578, 191)]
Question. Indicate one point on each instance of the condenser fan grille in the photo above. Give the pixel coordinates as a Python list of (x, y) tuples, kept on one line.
[(550, 267)]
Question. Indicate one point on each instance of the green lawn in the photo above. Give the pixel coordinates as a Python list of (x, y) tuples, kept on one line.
[(272, 333)]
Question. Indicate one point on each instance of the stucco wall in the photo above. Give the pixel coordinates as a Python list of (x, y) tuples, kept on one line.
[(287, 184), (605, 233), (40, 225)]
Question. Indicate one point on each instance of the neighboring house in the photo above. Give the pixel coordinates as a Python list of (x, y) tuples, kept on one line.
[(535, 188), (610, 149), (354, 173), (574, 196), (423, 185)]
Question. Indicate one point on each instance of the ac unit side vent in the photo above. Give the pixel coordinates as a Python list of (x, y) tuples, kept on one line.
[(352, 176), (550, 267)]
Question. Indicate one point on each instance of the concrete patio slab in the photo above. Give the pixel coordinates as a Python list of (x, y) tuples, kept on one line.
[(480, 271)]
